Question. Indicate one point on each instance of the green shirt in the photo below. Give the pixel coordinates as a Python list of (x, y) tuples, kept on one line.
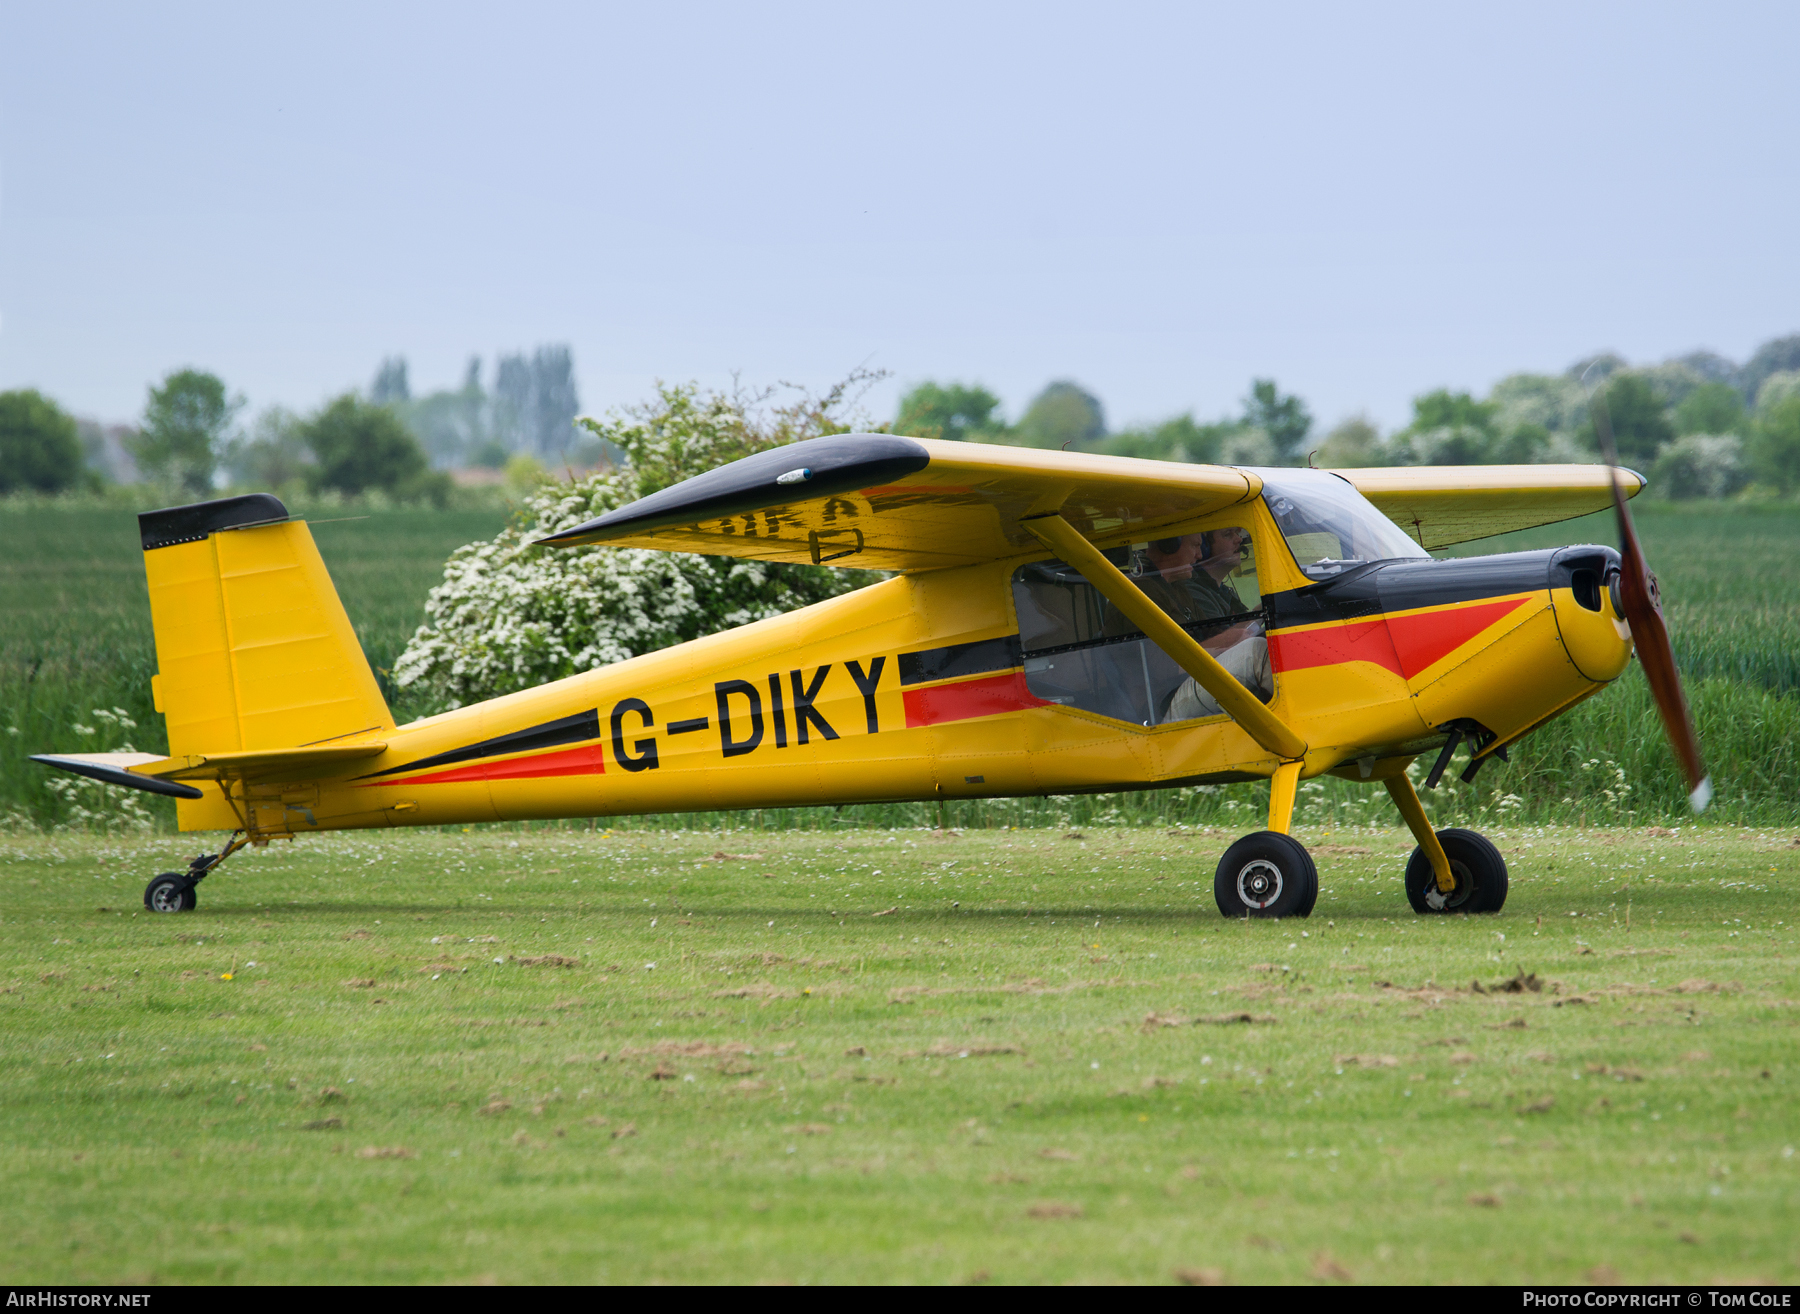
[(1190, 601)]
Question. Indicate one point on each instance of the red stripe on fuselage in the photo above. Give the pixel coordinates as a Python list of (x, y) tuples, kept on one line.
[(1406, 645), (587, 760), (988, 696), (1359, 641)]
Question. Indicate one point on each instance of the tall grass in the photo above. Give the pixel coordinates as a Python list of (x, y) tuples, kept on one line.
[(75, 636)]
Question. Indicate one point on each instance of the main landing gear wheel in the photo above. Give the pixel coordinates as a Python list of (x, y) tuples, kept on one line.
[(1267, 874), (170, 892), (1480, 874)]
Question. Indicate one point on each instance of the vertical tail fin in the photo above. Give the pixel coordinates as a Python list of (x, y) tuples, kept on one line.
[(253, 649)]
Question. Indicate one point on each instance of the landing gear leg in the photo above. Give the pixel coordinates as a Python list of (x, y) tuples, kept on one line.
[(173, 891), (1269, 874), (1452, 870), (1406, 798)]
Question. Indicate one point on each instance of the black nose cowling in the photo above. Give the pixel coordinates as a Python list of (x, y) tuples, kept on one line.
[(1391, 586)]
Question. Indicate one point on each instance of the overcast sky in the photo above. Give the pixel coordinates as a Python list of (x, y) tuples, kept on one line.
[(1159, 201)]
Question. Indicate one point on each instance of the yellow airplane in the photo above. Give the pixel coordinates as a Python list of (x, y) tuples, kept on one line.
[(1057, 623)]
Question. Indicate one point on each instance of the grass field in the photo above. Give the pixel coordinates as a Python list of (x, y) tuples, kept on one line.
[(1021, 1056)]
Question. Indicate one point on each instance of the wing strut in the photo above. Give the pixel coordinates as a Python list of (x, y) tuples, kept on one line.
[(1244, 707)]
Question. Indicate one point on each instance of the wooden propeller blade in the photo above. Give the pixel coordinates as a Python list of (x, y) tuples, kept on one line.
[(1643, 613)]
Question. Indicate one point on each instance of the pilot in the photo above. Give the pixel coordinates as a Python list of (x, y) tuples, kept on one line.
[(1189, 579)]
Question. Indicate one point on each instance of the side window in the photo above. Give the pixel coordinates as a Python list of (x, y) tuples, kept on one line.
[(1081, 652)]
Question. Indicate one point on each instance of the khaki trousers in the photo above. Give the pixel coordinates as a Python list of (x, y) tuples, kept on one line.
[(1246, 662)]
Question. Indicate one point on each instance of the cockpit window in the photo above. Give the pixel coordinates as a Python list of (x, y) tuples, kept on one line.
[(1081, 652), (1328, 525)]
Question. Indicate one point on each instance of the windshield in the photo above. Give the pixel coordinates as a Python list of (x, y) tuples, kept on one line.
[(1329, 526)]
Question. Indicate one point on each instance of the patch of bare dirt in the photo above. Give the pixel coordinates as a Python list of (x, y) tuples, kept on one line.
[(687, 1049), (756, 990), (944, 1049), (1328, 1269), (384, 1152)]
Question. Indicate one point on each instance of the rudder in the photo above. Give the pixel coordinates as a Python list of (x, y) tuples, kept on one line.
[(253, 647)]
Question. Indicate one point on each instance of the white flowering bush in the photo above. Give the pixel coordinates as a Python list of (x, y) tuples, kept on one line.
[(509, 616)]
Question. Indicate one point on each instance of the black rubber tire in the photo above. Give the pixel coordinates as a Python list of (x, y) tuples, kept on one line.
[(170, 892), (1480, 874), (1266, 875)]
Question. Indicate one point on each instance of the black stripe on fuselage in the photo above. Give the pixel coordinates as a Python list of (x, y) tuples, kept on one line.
[(1412, 584), (976, 658), (565, 730)]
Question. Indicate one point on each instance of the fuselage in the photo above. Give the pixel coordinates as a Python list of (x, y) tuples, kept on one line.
[(922, 687)]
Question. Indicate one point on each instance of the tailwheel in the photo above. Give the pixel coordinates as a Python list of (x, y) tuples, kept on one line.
[(1476, 864), (1267, 874), (171, 892)]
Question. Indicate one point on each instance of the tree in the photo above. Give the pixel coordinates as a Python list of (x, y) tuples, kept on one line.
[(40, 450), (357, 446), (273, 456), (390, 384), (535, 403), (1444, 409), (1710, 408), (1450, 428), (1354, 442), (1063, 414), (554, 404), (1700, 465), (1524, 445), (956, 411), (1774, 447), (1179, 439), (184, 430), (1285, 419), (1772, 357), (1640, 426)]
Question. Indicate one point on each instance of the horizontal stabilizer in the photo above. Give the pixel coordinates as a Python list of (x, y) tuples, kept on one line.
[(162, 775), (113, 769), (263, 763)]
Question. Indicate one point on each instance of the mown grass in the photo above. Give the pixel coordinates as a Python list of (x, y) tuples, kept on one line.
[(75, 635), (895, 1056)]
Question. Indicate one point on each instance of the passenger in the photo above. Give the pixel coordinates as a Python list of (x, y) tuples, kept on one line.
[(1190, 595), (1190, 581)]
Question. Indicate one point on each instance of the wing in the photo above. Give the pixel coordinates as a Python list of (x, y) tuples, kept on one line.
[(892, 503), (1444, 504)]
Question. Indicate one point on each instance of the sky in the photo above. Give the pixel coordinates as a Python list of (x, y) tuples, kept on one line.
[(1159, 201)]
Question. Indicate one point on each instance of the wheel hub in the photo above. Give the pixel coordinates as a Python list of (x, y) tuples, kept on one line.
[(1437, 900), (166, 897), (1259, 883)]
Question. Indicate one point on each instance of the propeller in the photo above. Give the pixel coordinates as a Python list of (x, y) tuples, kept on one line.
[(1642, 602)]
